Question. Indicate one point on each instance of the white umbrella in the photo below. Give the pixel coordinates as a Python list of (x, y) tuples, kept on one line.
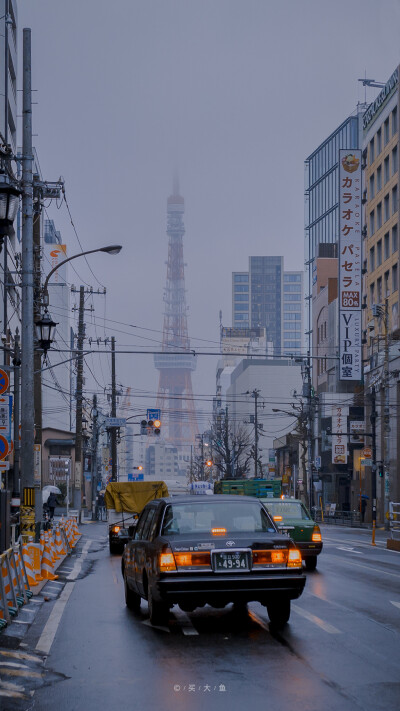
[(47, 490)]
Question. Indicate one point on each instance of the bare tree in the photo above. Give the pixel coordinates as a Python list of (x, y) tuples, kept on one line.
[(231, 448)]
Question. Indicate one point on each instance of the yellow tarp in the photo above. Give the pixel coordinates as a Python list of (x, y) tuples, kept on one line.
[(132, 496)]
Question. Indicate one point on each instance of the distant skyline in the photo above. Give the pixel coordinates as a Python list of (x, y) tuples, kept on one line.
[(234, 94)]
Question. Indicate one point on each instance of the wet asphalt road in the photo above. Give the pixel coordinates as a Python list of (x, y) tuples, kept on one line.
[(340, 651)]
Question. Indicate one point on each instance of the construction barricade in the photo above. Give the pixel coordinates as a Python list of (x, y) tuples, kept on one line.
[(26, 565)]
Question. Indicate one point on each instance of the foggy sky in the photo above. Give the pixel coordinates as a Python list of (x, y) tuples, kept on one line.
[(234, 94)]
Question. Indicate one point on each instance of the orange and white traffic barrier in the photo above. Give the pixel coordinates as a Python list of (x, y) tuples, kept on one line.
[(30, 572), (75, 530), (35, 554), (22, 582), (70, 535), (10, 596), (60, 550), (47, 568), (53, 547)]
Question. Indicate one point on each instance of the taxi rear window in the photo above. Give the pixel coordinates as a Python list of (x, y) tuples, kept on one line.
[(234, 517)]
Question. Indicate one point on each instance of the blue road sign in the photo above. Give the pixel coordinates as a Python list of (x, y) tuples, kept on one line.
[(154, 414), (135, 477)]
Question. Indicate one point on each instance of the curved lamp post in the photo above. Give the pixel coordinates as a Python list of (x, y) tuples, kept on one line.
[(45, 326), (111, 249)]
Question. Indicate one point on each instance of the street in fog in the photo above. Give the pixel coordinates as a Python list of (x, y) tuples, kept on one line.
[(339, 651)]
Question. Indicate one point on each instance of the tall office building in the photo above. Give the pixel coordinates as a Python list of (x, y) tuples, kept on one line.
[(322, 200), (268, 297), (293, 309), (8, 72)]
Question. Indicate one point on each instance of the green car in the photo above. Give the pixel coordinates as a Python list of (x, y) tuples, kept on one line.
[(292, 517)]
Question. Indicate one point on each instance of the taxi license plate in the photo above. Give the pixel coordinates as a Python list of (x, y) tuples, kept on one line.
[(226, 562)]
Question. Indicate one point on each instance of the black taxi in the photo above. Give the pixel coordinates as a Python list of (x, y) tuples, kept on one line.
[(213, 550)]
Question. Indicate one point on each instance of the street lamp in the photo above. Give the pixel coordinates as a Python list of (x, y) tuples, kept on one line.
[(111, 249), (45, 330), (9, 201)]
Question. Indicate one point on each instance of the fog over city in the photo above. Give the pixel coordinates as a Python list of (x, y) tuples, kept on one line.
[(231, 96)]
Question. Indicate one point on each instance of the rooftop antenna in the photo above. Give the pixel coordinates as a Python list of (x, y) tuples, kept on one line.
[(220, 329), (371, 82)]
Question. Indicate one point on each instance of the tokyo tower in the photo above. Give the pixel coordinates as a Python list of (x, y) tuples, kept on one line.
[(175, 394)]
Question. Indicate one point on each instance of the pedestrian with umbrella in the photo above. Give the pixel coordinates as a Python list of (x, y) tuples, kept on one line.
[(50, 499)]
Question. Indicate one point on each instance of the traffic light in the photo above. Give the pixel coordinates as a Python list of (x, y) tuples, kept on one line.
[(148, 427), (209, 463)]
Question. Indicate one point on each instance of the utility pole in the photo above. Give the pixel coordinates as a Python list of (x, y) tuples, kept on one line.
[(78, 479), (17, 445), (113, 433), (94, 457), (373, 468), (37, 355), (255, 394), (27, 377), (386, 420)]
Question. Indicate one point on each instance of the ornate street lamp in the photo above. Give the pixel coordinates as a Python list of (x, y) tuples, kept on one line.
[(9, 200), (45, 330)]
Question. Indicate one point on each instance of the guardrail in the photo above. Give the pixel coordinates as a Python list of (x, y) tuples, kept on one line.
[(394, 520), (337, 518)]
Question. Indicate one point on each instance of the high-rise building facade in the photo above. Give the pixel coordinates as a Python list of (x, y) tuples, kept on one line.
[(268, 297), (293, 309), (240, 300), (322, 201), (8, 72)]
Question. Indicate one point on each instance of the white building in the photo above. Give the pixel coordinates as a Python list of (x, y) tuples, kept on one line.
[(277, 381)]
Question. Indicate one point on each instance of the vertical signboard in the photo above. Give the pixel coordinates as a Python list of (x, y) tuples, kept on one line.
[(37, 465), (350, 194), (340, 414)]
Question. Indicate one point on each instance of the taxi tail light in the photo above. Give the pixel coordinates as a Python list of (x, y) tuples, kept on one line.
[(166, 561), (316, 535), (267, 557), (294, 558), (277, 518), (197, 559)]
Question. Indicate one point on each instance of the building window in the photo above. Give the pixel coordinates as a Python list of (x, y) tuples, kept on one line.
[(386, 131), (371, 151), (371, 223), (379, 178), (372, 294), (386, 169), (395, 160), (372, 259), (379, 253), (386, 284), (386, 210), (379, 215), (372, 187), (378, 141), (379, 290), (395, 278), (394, 200), (394, 121), (386, 246), (394, 239)]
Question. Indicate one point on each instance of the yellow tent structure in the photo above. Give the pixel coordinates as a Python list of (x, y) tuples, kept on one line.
[(132, 496)]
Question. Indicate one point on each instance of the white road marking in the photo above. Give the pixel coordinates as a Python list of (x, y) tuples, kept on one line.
[(78, 565), (50, 629), (184, 621), (21, 655), (350, 549), (371, 568), (396, 604), (316, 620)]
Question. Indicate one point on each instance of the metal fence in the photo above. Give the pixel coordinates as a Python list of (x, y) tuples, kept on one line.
[(394, 520), (338, 518)]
